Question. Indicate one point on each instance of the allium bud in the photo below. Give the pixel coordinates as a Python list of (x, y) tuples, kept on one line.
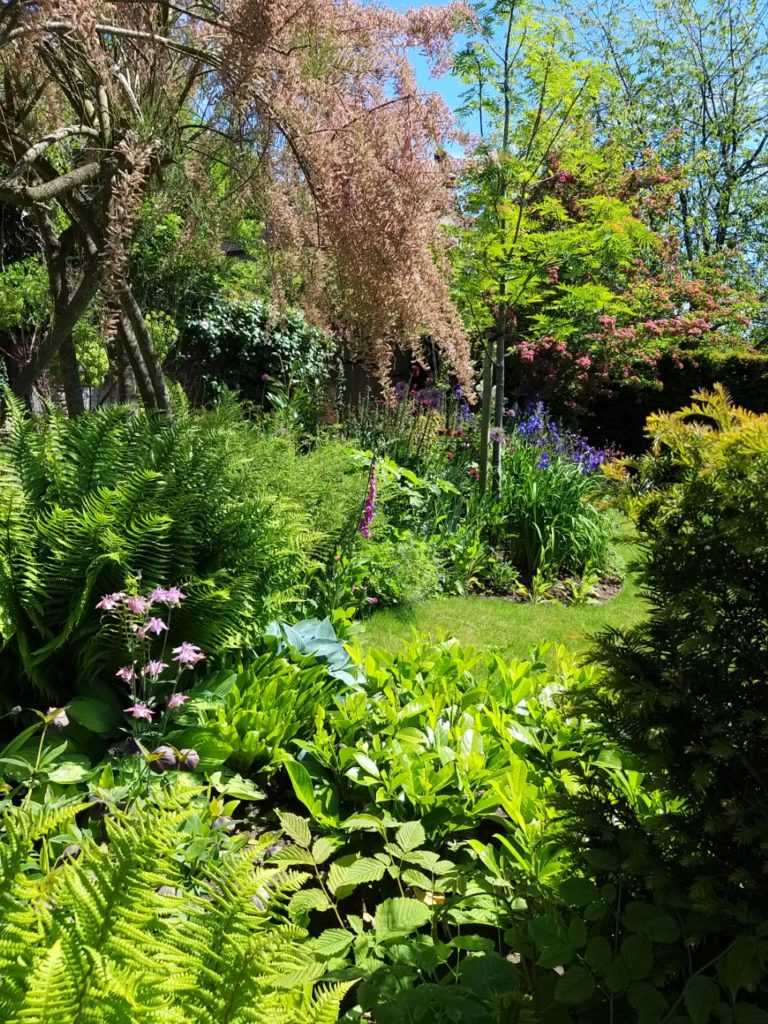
[(162, 758), (190, 759)]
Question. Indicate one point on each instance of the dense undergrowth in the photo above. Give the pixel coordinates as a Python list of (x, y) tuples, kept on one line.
[(274, 825)]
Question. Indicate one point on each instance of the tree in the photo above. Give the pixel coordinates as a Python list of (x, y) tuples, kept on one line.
[(308, 104), (530, 95), (692, 88)]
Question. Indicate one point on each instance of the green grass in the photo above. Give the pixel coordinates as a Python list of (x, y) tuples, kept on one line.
[(511, 628)]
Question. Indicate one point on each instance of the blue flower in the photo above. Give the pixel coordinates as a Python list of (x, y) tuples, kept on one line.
[(543, 462)]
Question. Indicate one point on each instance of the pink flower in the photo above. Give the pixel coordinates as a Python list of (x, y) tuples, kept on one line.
[(154, 668), (173, 597), (60, 719), (155, 626), (373, 600), (127, 673), (137, 605), (140, 710), (158, 595), (176, 700), (188, 654), (109, 602)]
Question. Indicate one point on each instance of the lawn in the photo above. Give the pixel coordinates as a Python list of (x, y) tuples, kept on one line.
[(510, 627)]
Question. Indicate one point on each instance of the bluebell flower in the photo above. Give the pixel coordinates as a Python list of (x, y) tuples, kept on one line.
[(543, 462)]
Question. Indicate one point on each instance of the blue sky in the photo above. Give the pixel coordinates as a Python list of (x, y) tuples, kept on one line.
[(447, 86)]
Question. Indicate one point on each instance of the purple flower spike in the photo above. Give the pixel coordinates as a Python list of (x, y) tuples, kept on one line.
[(109, 602), (188, 655), (127, 673), (140, 710), (154, 668), (176, 700)]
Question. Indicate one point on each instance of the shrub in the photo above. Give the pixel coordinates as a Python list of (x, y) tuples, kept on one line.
[(204, 501), (242, 344), (685, 695)]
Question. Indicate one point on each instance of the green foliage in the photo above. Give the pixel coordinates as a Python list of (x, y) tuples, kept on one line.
[(247, 717), (683, 696), (89, 504), (547, 516), (121, 930), (236, 342)]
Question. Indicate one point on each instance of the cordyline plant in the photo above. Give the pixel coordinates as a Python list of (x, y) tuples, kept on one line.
[(307, 108)]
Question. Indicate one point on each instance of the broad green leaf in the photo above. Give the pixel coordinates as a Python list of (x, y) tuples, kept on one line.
[(297, 828), (650, 1004), (700, 996), (303, 902), (575, 986), (331, 942), (400, 916), (69, 772), (347, 873), (410, 836)]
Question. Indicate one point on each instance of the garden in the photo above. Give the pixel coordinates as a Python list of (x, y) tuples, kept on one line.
[(383, 520)]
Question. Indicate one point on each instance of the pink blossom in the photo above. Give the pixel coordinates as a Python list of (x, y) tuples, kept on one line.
[(157, 596), (155, 626), (188, 654), (109, 602), (60, 719), (173, 597), (154, 668), (176, 700), (127, 673), (373, 600), (140, 710), (137, 605)]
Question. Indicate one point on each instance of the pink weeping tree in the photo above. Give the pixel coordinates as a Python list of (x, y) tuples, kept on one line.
[(310, 104)]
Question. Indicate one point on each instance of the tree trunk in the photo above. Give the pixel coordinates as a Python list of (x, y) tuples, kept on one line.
[(127, 340), (498, 411), (143, 339), (485, 412), (70, 372)]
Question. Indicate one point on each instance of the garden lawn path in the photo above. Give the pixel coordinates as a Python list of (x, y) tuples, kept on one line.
[(509, 627)]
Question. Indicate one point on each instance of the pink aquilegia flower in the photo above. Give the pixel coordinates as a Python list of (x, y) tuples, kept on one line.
[(154, 668), (137, 605), (60, 719), (155, 626), (176, 700), (109, 602), (173, 597), (373, 600), (188, 655), (127, 673), (140, 710)]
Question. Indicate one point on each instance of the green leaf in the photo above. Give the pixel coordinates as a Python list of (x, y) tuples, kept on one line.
[(599, 954), (577, 934), (410, 836), (636, 954), (700, 995), (297, 828), (95, 715), (68, 772), (578, 891), (323, 849), (650, 1004), (400, 916), (349, 872), (302, 786), (574, 986), (302, 903), (331, 942), (236, 786), (603, 860)]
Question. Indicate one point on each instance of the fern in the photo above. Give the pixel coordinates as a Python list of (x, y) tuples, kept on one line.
[(125, 933), (240, 520)]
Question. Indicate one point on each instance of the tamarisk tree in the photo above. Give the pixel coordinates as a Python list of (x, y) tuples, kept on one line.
[(307, 106)]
